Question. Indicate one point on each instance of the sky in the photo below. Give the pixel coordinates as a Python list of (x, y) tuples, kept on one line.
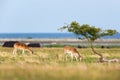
[(46, 16)]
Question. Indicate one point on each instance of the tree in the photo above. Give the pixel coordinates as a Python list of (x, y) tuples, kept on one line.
[(73, 27), (91, 33)]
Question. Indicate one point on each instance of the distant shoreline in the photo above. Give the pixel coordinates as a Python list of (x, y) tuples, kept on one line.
[(65, 41)]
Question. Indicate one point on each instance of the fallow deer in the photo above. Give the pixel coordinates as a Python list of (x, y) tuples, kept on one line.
[(68, 50), (21, 46)]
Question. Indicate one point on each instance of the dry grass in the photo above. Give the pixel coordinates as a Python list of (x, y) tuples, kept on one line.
[(49, 64)]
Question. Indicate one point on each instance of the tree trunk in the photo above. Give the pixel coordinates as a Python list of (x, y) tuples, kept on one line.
[(101, 59)]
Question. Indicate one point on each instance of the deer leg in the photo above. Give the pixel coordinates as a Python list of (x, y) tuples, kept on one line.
[(71, 58), (66, 57), (23, 51), (14, 51), (76, 58)]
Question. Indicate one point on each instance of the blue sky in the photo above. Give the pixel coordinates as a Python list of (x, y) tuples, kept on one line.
[(36, 16)]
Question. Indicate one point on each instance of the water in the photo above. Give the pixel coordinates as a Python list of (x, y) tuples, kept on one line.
[(48, 35)]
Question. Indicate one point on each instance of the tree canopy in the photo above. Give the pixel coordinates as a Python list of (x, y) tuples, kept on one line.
[(90, 32)]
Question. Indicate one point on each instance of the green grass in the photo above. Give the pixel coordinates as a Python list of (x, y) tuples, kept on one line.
[(49, 64)]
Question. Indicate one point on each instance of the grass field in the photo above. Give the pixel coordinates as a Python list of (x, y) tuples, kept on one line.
[(49, 64)]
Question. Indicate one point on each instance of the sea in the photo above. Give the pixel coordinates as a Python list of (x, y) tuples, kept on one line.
[(47, 36)]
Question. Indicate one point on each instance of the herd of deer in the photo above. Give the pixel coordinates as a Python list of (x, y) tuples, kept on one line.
[(68, 51)]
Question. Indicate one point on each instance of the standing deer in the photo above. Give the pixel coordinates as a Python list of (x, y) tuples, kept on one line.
[(68, 50), (21, 46)]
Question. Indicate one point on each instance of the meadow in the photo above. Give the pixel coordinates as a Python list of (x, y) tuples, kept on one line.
[(49, 64)]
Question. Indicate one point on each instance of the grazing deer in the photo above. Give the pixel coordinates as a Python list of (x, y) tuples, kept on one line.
[(21, 46), (68, 50)]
